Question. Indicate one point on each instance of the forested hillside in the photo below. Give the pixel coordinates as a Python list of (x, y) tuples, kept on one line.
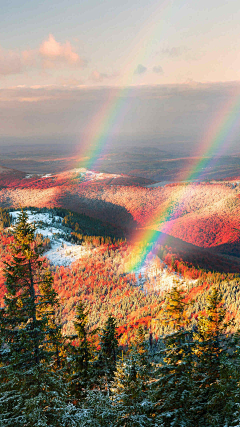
[(89, 345), (100, 278), (205, 214)]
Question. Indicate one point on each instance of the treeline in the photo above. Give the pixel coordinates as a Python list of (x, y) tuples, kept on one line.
[(82, 227), (195, 264), (86, 229)]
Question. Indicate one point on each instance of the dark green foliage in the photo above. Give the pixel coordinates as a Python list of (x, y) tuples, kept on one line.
[(173, 387), (29, 336), (84, 225), (131, 386), (215, 381), (131, 393), (188, 377), (107, 358), (83, 228), (80, 355)]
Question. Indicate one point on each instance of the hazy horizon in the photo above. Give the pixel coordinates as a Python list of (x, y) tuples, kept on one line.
[(170, 118), (94, 78)]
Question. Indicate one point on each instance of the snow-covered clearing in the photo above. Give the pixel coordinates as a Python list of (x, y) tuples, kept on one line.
[(88, 175), (47, 175), (48, 225), (161, 279), (64, 253), (39, 175)]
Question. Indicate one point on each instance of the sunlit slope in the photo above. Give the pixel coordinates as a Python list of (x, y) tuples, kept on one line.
[(205, 214), (213, 225)]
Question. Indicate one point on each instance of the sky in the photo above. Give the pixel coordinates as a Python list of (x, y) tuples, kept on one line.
[(112, 42), (170, 64)]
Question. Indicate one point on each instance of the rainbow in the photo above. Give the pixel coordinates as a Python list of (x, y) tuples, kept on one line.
[(215, 143), (99, 129), (114, 109)]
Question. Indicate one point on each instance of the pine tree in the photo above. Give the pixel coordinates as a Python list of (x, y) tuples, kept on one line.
[(173, 385), (214, 377), (81, 355), (97, 410), (230, 382), (31, 393), (107, 357), (131, 386)]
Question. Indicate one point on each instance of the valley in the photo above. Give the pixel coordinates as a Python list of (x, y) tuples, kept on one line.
[(89, 221), (205, 214)]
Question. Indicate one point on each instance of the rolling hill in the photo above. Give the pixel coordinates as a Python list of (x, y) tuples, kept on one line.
[(204, 214)]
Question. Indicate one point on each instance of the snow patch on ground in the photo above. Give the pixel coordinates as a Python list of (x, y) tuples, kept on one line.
[(39, 175), (64, 253), (161, 279), (34, 216), (47, 175), (48, 225), (88, 175)]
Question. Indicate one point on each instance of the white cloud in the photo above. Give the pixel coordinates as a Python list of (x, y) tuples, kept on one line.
[(54, 53), (50, 54)]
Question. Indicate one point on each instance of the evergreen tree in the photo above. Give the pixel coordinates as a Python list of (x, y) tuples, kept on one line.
[(81, 355), (231, 381), (173, 385), (97, 410), (131, 386), (214, 377), (107, 357), (31, 393)]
